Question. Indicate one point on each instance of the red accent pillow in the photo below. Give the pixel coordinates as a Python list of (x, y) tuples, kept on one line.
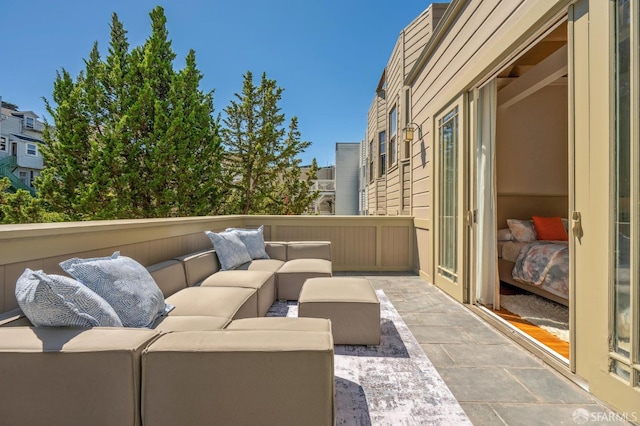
[(550, 228)]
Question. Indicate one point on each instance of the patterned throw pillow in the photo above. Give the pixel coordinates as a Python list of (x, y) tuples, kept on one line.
[(254, 240), (522, 230), (230, 249), (124, 283), (57, 301)]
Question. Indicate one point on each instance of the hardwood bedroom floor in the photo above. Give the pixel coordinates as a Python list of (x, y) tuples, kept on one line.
[(541, 335)]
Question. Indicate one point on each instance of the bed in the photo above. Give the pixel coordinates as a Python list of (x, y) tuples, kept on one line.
[(540, 267)]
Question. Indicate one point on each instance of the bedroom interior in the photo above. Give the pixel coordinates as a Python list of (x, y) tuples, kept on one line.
[(532, 188)]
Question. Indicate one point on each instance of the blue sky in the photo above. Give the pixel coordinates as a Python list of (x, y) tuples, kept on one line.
[(328, 55)]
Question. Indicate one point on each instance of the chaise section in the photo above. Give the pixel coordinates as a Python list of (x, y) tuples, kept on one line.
[(225, 302), (244, 377), (71, 376), (262, 281), (295, 272)]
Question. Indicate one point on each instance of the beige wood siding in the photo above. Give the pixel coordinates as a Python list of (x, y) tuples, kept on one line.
[(405, 196), (381, 198), (398, 246), (424, 255), (393, 192), (422, 161)]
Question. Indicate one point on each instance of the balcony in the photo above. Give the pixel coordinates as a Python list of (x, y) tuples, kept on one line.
[(490, 375)]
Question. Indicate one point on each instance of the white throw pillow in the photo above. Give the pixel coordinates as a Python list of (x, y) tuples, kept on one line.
[(57, 301), (124, 283), (253, 239), (230, 249)]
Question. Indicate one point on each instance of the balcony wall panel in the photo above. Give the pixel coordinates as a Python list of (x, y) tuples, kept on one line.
[(358, 243)]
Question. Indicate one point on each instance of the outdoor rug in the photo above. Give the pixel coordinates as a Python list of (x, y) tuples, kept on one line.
[(544, 313), (390, 384)]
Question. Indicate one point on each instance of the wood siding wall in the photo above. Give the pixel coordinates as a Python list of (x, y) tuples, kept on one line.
[(391, 196), (483, 35), (358, 243)]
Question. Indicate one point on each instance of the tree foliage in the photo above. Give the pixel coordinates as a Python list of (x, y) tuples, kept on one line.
[(131, 136), (22, 207), (262, 167)]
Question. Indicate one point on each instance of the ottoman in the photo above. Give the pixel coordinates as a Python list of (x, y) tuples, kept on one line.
[(350, 303)]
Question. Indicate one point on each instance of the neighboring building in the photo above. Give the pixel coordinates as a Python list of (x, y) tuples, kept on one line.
[(362, 181), (325, 184), (515, 109), (389, 159), (347, 178), (20, 142)]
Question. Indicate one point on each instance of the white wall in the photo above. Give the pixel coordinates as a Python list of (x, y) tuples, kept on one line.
[(347, 178)]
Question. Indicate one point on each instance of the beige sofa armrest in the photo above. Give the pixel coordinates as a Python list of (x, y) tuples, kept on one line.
[(199, 266), (71, 376), (309, 250)]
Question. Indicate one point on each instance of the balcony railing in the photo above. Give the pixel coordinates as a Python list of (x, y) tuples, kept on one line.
[(324, 185), (358, 243)]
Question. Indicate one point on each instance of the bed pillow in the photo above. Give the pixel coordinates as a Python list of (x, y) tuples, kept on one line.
[(124, 283), (550, 228), (57, 301), (230, 249), (522, 230), (504, 235), (253, 239)]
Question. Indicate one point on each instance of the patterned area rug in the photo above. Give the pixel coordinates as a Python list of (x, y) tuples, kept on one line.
[(544, 313), (390, 384)]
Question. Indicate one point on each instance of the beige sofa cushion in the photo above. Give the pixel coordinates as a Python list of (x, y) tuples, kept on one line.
[(272, 265), (309, 250), (281, 323), (199, 266), (295, 272), (276, 250), (252, 377), (350, 303), (191, 323), (263, 282), (71, 376), (225, 302), (169, 275)]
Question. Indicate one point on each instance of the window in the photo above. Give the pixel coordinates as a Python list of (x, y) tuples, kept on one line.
[(371, 156), (3, 144), (29, 122), (448, 195), (393, 127), (23, 177), (382, 152), (32, 149), (625, 199)]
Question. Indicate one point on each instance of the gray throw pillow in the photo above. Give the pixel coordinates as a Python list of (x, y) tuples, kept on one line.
[(230, 249), (57, 301), (254, 240), (124, 283)]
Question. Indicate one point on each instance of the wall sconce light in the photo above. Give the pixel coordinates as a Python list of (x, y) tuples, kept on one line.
[(408, 132)]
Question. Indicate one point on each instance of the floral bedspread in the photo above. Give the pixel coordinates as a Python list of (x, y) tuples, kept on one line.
[(545, 265)]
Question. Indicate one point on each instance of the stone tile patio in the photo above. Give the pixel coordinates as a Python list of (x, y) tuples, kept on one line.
[(495, 380)]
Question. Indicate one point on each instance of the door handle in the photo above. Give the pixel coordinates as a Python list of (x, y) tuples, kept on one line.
[(576, 225)]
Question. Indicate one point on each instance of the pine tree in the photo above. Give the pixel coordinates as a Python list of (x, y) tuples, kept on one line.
[(132, 137), (261, 165)]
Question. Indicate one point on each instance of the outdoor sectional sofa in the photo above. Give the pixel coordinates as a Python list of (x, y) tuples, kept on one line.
[(213, 359)]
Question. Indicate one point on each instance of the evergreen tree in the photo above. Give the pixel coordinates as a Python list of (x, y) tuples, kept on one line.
[(261, 165), (132, 137), (22, 207)]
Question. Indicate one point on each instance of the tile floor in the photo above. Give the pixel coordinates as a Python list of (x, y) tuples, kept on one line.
[(496, 381)]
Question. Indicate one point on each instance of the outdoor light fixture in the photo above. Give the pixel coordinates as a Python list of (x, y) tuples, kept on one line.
[(408, 132)]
